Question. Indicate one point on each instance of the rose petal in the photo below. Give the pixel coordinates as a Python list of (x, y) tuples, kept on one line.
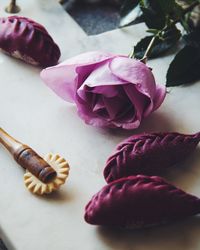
[(86, 112), (108, 90), (99, 105), (63, 78), (139, 102), (91, 118), (139, 74), (102, 76), (136, 72), (91, 57), (159, 96), (114, 106)]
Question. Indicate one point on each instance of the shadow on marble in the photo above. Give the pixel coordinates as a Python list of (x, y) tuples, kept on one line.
[(63, 195), (186, 174), (2, 246), (4, 238), (156, 122), (159, 121), (181, 235), (14, 62)]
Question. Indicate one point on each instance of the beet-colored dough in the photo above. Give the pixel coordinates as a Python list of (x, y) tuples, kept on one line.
[(149, 154), (27, 40), (140, 201)]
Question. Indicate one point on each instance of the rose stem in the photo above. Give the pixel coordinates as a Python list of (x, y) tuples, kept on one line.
[(150, 46)]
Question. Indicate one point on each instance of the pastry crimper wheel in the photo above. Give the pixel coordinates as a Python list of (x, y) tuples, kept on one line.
[(42, 176)]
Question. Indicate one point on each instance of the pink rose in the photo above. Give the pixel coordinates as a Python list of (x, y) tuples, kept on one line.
[(109, 90)]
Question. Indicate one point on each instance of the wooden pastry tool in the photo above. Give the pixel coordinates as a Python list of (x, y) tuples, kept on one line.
[(42, 176)]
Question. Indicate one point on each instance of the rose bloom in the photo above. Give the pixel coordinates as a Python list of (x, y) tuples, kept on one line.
[(109, 90)]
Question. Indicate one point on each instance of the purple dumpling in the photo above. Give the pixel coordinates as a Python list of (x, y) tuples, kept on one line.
[(27, 40), (140, 201), (149, 154)]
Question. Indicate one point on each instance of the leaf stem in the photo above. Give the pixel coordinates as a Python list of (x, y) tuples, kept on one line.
[(150, 46), (131, 55), (148, 50)]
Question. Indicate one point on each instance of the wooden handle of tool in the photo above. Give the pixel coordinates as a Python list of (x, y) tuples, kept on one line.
[(28, 158)]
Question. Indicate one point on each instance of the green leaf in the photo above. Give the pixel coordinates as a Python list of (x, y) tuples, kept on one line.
[(161, 45), (193, 38), (153, 19), (176, 12), (157, 12), (166, 6), (128, 6), (159, 48), (185, 67), (172, 34)]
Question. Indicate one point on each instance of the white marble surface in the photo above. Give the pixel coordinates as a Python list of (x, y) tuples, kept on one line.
[(36, 116)]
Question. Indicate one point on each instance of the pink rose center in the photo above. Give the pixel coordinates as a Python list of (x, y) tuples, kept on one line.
[(111, 108)]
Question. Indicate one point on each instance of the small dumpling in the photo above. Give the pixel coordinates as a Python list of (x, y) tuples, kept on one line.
[(149, 154), (140, 201), (25, 39)]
